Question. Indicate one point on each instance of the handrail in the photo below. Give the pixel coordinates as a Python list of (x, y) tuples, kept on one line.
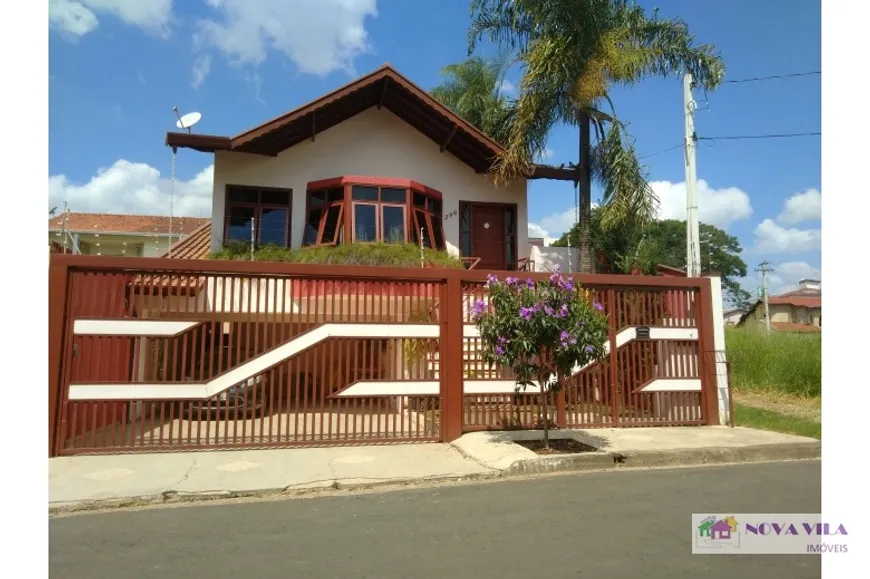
[(473, 260), (526, 264)]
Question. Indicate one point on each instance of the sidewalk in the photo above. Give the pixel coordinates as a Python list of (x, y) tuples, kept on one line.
[(87, 482)]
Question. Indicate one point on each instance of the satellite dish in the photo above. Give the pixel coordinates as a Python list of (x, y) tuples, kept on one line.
[(188, 120)]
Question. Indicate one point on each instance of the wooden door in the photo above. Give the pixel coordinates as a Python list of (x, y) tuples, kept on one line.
[(488, 241)]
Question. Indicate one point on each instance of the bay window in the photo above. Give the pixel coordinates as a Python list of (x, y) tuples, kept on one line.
[(266, 210), (372, 210)]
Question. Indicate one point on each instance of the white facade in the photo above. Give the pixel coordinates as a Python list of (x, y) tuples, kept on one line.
[(373, 143)]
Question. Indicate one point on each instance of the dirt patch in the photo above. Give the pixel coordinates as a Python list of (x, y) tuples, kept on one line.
[(557, 446), (809, 409)]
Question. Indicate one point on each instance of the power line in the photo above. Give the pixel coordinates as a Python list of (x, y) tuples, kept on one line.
[(680, 146), (773, 77), (779, 136)]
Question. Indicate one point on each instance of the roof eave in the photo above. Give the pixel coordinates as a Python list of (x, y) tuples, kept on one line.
[(202, 143)]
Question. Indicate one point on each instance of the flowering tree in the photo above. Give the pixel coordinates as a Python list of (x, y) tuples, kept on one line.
[(542, 330)]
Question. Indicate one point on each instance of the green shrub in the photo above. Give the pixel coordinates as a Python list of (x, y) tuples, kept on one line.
[(383, 254), (778, 363)]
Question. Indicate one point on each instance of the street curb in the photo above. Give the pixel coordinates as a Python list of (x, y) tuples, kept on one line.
[(605, 460), (325, 488), (601, 461)]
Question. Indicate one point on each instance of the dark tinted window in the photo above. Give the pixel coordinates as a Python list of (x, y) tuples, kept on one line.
[(365, 193), (331, 225), (393, 195), (365, 225)]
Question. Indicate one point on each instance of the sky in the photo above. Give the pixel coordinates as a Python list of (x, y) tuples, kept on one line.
[(117, 67)]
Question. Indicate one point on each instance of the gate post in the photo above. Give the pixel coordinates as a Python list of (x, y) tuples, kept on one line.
[(612, 370), (57, 301), (706, 368), (450, 347)]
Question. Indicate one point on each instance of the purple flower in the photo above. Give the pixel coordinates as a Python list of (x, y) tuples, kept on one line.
[(526, 313), (530, 282), (598, 307), (491, 280), (564, 336), (535, 308), (589, 349), (499, 351), (511, 281), (563, 311), (569, 284), (477, 309), (548, 310), (502, 340)]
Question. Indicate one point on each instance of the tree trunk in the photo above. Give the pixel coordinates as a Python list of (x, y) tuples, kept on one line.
[(587, 262)]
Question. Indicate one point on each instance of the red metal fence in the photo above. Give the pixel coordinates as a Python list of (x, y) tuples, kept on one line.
[(156, 354)]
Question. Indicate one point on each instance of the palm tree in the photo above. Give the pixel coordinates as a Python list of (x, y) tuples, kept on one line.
[(573, 52), (473, 90)]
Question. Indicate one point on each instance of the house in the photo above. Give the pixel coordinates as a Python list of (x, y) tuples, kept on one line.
[(116, 234), (378, 160), (795, 311), (720, 530), (733, 316)]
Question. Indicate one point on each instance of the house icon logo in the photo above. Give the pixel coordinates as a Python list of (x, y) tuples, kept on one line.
[(717, 532)]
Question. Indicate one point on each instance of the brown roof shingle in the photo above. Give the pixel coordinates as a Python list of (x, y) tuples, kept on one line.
[(119, 223), (197, 245)]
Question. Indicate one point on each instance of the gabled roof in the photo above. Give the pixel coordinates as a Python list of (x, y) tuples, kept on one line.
[(197, 245), (385, 87), (107, 223)]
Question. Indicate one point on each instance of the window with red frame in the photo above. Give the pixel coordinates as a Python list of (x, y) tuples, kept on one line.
[(377, 213), (427, 220), (266, 209), (324, 224)]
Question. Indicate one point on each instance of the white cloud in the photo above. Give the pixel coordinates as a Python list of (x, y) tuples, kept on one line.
[(784, 278), (507, 87), (719, 207), (201, 68), (773, 238), (536, 230), (547, 153), (318, 36), (554, 225), (801, 207), (79, 17), (137, 188)]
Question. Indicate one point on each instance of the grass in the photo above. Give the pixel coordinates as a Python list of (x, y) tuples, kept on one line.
[(777, 380), (778, 364), (764, 419), (377, 254)]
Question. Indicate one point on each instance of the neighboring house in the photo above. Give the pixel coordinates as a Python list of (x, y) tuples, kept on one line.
[(113, 234), (795, 311), (733, 316), (378, 160)]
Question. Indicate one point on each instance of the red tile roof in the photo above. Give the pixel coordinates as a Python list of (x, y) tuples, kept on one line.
[(794, 327), (118, 223), (197, 245), (798, 301)]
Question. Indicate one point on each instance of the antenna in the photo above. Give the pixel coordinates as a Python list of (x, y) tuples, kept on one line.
[(184, 122), (187, 121)]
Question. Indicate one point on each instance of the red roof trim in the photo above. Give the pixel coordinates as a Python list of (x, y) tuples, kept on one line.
[(374, 181)]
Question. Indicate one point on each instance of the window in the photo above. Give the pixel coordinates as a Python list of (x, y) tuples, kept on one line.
[(427, 216), (380, 210), (266, 210), (324, 225)]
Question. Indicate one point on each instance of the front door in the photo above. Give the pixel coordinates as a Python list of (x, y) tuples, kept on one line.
[(488, 239)]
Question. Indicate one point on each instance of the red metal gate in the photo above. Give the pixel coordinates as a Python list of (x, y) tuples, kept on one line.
[(157, 354)]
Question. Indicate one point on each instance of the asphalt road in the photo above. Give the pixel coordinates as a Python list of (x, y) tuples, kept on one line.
[(611, 525)]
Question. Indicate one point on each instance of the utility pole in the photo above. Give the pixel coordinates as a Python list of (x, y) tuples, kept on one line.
[(764, 268), (693, 249)]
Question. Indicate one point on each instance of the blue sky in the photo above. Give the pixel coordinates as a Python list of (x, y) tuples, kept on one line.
[(117, 67)]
